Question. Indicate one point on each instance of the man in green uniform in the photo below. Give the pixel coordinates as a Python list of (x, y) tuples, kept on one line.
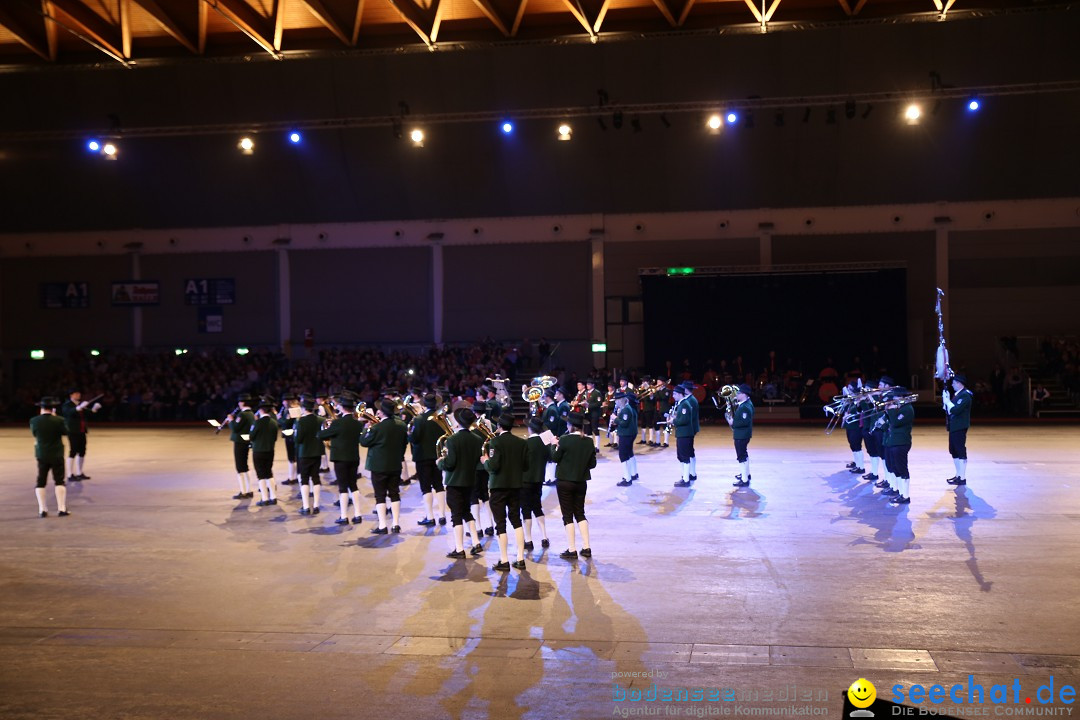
[(741, 420), (264, 435), (290, 412), (684, 433), (898, 420), (663, 406), (240, 422), (386, 441), (480, 499), (553, 423), (532, 483), (505, 465), (344, 436), (689, 387), (574, 456), (594, 400), (48, 431), (310, 451), (625, 420), (462, 455), (425, 434), (957, 422)]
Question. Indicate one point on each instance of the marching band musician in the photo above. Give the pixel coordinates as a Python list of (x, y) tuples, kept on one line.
[(553, 423), (532, 483), (607, 409), (480, 500), (310, 451), (239, 422), (648, 411), (574, 456), (344, 436), (48, 431), (593, 402), (625, 422), (287, 417), (385, 442), (898, 422), (874, 437), (263, 435), (494, 409), (424, 436), (505, 465), (684, 434), (462, 456), (663, 407), (322, 397), (854, 435), (741, 421), (74, 412), (957, 422), (689, 388)]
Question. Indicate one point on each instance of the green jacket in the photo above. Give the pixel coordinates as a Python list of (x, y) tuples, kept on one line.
[(48, 430), (344, 436), (554, 419), (742, 423), (494, 410), (308, 444), (697, 412), (264, 434), (594, 400), (73, 417), (386, 442), (424, 436), (901, 420), (506, 464), (462, 457), (684, 419), (575, 454), (626, 422), (663, 400), (241, 425), (536, 457), (959, 418)]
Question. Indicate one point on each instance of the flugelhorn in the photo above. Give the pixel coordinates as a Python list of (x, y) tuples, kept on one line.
[(439, 418)]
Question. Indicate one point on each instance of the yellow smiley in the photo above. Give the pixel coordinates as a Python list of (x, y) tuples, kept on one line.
[(862, 693)]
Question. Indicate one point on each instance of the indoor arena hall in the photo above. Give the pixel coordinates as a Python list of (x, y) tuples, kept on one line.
[(161, 597)]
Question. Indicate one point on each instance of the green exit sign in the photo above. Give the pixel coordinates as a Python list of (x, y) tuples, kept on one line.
[(680, 271), (599, 347)]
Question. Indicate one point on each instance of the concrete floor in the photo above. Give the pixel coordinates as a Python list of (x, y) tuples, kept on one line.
[(162, 597)]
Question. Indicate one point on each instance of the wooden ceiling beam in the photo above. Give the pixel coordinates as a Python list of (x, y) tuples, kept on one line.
[(672, 12), (424, 21), (91, 27), (320, 10), (170, 23), (356, 22), (28, 29), (125, 27), (590, 13), (279, 24), (249, 22)]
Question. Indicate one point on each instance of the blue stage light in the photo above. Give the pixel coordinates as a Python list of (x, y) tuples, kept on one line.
[(93, 146), (973, 105), (294, 137), (732, 118), (507, 128)]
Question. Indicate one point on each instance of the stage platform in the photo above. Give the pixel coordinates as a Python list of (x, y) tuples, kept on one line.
[(161, 597)]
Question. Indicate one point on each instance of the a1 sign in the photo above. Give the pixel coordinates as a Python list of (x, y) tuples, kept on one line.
[(209, 291)]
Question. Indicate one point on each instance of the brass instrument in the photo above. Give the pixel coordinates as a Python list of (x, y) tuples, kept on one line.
[(483, 426), (881, 406), (668, 423), (580, 403), (439, 418), (365, 415), (534, 391), (646, 391), (331, 414), (502, 395), (728, 394)]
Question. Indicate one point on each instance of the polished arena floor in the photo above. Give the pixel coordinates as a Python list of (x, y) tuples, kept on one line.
[(161, 597)]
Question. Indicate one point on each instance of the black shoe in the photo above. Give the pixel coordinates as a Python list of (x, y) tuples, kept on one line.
[(528, 546), (634, 477), (890, 492), (337, 503), (900, 500), (240, 496), (641, 442), (850, 465), (652, 444), (357, 520), (871, 477), (272, 501), (549, 483), (425, 522), (741, 483), (665, 445), (624, 483), (958, 482), (406, 481), (614, 446), (314, 511), (74, 478), (587, 552), (693, 478), (476, 549), (63, 513), (380, 531), (456, 555), (952, 480), (288, 481), (43, 514), (501, 567), (857, 471), (518, 564), (442, 521), (249, 495), (544, 543), (80, 476), (305, 511), (261, 503), (395, 529), (568, 554), (490, 532), (881, 484), (683, 483), (341, 521)]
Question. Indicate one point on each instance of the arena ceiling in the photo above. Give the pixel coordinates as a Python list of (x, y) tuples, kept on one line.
[(43, 33)]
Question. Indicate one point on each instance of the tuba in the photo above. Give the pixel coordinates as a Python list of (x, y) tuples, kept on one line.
[(728, 394), (483, 426), (532, 392), (439, 418)]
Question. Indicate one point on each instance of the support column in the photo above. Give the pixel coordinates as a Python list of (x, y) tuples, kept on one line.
[(437, 294), (136, 312), (765, 249), (597, 253), (284, 303)]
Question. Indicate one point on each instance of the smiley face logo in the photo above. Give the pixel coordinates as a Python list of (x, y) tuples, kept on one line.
[(862, 693)]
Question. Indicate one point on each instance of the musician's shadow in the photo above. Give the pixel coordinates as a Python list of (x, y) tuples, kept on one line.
[(890, 523), (322, 530), (520, 586), (378, 542), (745, 503), (661, 502), (467, 570), (969, 508)]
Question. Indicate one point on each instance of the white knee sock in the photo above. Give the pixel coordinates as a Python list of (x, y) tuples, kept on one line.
[(271, 486), (904, 487), (962, 472), (503, 542), (475, 510), (684, 468), (549, 472), (459, 538), (519, 543), (626, 471), (247, 482), (343, 499), (240, 482), (633, 466), (570, 541), (79, 460), (486, 508), (395, 511), (583, 528), (380, 510), (665, 436), (440, 503), (874, 464), (956, 466), (304, 496), (542, 522), (596, 441), (262, 489), (859, 458), (315, 492), (472, 532), (70, 468), (292, 471), (429, 512), (61, 498), (40, 494), (355, 495), (693, 466), (526, 530), (745, 465)]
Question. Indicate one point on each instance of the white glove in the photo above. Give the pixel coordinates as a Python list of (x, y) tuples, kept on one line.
[(245, 437), (96, 407), (82, 406)]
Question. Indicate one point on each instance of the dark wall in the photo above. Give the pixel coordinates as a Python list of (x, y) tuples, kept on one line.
[(26, 324), (251, 320), (1016, 147), (351, 297), (623, 260)]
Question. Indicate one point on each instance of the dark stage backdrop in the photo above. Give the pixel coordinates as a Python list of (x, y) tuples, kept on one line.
[(807, 316)]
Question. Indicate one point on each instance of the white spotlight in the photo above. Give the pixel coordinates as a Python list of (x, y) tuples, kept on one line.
[(912, 114), (565, 132), (714, 123), (417, 137), (246, 145)]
